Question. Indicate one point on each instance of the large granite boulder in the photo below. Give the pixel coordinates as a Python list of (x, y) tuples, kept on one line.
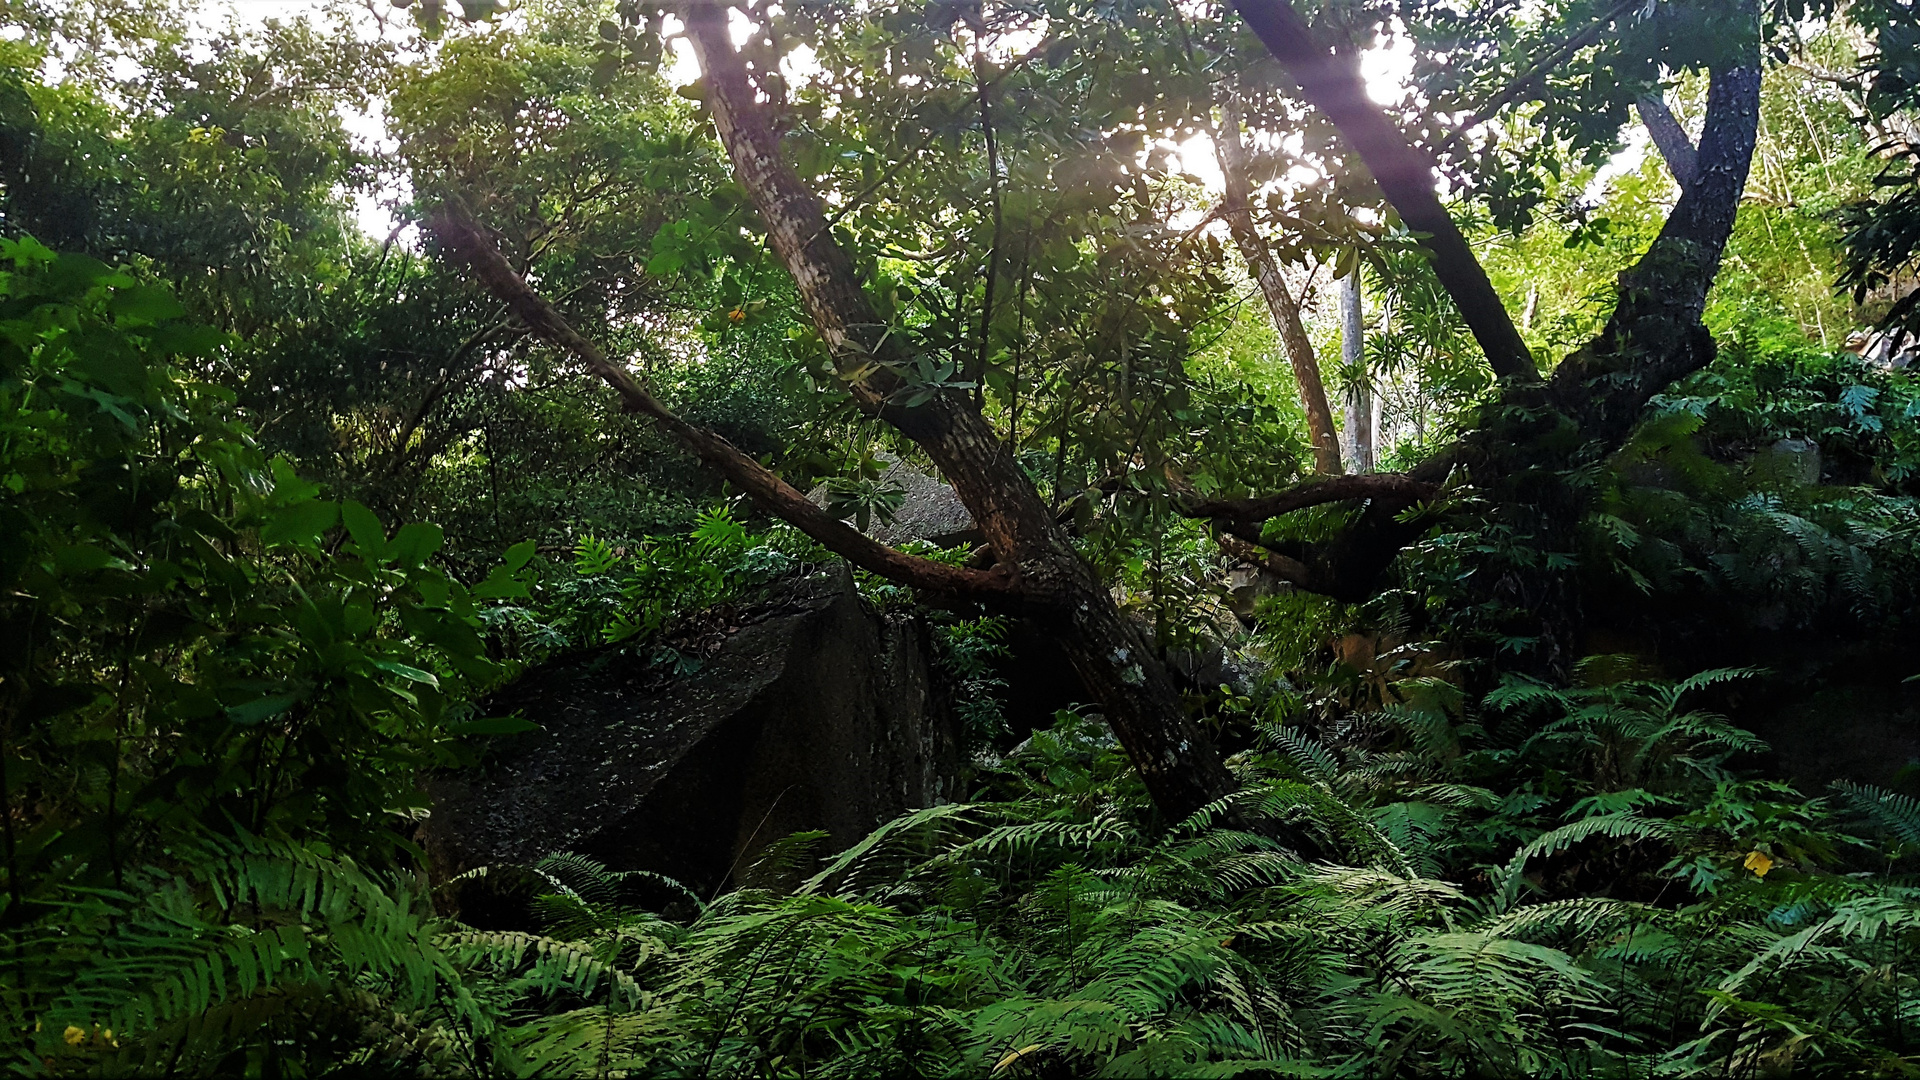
[(815, 713)]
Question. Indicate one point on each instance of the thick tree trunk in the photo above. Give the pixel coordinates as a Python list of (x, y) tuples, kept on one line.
[(1353, 357), (1175, 759), (1236, 208), (1655, 335)]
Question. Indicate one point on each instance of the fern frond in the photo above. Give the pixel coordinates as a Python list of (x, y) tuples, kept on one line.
[(1897, 814)]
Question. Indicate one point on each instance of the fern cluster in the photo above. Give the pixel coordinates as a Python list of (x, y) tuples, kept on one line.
[(1055, 927), (1054, 930)]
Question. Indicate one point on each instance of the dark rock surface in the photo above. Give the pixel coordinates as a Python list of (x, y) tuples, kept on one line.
[(1832, 709), (816, 713)]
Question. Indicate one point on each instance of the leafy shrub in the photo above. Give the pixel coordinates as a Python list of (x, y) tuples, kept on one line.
[(199, 652), (613, 592)]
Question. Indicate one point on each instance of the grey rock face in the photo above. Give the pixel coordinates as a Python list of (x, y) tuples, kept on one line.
[(929, 509), (1793, 460), (817, 713)]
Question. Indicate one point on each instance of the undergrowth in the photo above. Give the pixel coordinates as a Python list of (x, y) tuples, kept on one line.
[(1620, 903)]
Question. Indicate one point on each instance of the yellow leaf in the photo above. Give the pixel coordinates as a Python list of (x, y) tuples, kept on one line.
[(74, 1035), (1758, 862), (1015, 1056)]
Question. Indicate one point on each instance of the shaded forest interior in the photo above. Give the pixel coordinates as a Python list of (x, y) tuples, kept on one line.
[(1031, 538)]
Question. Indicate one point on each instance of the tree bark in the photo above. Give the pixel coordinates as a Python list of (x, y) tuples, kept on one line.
[(1654, 335), (1676, 149), (1178, 764), (1353, 357), (1236, 209), (1392, 486), (1332, 83)]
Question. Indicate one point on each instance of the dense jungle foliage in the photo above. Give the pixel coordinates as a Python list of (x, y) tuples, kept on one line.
[(289, 482)]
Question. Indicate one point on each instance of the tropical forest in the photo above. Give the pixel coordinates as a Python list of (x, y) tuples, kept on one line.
[(960, 538)]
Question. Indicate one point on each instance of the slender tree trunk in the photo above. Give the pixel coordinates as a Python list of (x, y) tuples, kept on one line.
[(1353, 357), (1280, 303), (1331, 82), (1676, 149)]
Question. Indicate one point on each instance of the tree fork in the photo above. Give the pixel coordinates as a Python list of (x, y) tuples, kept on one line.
[(1653, 337)]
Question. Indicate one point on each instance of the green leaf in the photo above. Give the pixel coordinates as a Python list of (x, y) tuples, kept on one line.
[(415, 542), (357, 615), (145, 304), (287, 485), (263, 708), (299, 525), (72, 274), (408, 672), (501, 584), (186, 339), (369, 536), (82, 558), (518, 555)]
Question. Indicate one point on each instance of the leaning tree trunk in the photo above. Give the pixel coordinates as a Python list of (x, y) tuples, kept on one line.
[(1175, 759), (1331, 82), (1037, 573), (1236, 208)]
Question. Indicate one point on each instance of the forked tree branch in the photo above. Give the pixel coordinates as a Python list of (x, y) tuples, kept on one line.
[(465, 238), (1597, 395), (1006, 507), (1654, 335), (1332, 83), (1120, 669)]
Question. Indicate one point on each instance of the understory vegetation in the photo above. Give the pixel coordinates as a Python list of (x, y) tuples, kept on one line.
[(1501, 676)]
